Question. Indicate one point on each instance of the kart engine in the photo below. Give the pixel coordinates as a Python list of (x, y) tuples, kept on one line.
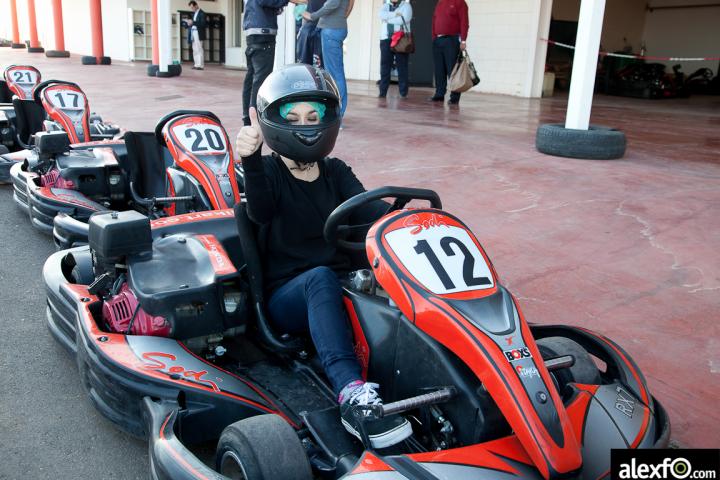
[(181, 286)]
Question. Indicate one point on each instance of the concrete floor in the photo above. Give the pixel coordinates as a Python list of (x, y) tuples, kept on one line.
[(629, 248)]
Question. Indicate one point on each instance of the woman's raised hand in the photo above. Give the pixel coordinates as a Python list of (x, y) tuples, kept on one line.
[(250, 138)]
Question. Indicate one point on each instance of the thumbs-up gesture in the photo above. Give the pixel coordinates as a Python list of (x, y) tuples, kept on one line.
[(250, 137)]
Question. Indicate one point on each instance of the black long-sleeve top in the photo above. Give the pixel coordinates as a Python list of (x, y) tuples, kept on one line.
[(291, 214)]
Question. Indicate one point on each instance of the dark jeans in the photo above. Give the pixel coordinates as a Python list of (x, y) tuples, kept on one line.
[(260, 55), (445, 55), (386, 62), (313, 301)]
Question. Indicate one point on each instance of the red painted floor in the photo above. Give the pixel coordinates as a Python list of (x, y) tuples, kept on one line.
[(630, 248)]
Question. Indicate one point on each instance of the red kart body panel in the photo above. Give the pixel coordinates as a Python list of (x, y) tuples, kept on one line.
[(200, 146), (68, 106), (503, 359), (21, 80)]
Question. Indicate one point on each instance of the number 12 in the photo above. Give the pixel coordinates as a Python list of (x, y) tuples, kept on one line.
[(423, 248)]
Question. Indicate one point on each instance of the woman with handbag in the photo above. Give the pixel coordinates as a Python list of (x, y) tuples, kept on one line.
[(396, 44)]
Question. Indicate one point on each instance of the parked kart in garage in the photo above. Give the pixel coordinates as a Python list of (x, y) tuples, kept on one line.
[(167, 321), (56, 106), (648, 80), (186, 165)]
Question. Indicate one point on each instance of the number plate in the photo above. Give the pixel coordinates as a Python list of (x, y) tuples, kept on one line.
[(66, 99), (23, 77), (200, 138), (444, 259)]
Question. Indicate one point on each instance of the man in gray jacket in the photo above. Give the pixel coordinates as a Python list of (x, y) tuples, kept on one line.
[(260, 26), (332, 20)]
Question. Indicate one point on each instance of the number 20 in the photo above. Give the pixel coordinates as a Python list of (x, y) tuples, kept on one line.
[(212, 138)]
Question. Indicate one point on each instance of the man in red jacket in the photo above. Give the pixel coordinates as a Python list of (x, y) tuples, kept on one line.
[(449, 30)]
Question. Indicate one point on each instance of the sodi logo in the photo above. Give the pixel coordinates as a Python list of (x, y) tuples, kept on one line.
[(672, 464)]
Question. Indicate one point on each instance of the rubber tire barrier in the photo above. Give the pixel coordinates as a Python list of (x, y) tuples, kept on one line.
[(57, 53), (90, 60), (36, 50), (597, 143), (174, 70), (268, 448)]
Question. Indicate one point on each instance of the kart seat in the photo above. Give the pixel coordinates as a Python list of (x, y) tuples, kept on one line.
[(248, 243), (5, 93), (29, 117), (144, 164)]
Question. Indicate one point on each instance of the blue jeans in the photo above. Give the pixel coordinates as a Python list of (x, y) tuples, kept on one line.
[(313, 301), (332, 45)]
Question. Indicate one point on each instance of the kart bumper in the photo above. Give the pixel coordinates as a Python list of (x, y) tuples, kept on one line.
[(44, 203), (169, 458), (7, 161), (19, 178), (69, 232), (118, 371)]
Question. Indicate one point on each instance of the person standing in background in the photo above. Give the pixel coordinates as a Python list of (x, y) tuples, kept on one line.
[(450, 27), (332, 19), (196, 35), (395, 15), (308, 47), (260, 26)]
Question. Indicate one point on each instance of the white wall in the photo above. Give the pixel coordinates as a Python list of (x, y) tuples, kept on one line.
[(502, 43), (691, 32)]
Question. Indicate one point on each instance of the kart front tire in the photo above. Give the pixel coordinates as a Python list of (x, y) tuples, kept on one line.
[(583, 371), (263, 447)]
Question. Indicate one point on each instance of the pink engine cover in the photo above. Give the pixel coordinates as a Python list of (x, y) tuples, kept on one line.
[(53, 179), (118, 311)]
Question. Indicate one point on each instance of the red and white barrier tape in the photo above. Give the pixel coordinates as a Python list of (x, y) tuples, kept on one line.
[(639, 57)]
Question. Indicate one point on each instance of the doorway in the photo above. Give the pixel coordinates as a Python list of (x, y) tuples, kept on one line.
[(421, 62)]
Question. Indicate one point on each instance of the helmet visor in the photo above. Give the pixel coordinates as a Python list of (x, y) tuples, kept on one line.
[(300, 111)]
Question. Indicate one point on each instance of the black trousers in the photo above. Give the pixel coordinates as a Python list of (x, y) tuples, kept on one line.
[(386, 61), (260, 56), (445, 55)]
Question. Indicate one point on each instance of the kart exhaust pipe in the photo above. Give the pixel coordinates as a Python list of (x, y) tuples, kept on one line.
[(566, 361)]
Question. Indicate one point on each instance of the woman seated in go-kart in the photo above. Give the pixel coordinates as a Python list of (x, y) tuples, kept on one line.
[(290, 194)]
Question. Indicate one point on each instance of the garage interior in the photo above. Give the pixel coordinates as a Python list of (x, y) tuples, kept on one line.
[(656, 28)]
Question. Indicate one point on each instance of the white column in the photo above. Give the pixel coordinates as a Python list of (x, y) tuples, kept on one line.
[(538, 57), (285, 41), (164, 37), (585, 62)]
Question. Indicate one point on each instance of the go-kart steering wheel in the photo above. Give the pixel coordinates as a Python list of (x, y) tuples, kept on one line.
[(164, 120), (41, 86), (336, 222)]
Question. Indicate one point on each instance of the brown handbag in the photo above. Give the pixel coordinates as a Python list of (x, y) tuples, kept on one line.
[(464, 76), (404, 43)]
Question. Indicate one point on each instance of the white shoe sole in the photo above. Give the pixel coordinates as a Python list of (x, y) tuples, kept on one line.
[(385, 439)]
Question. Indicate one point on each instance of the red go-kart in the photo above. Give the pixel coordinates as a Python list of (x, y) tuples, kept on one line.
[(167, 320), (185, 165), (54, 106)]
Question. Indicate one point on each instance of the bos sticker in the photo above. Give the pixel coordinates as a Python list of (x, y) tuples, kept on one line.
[(443, 258), (66, 99), (201, 138), (517, 354)]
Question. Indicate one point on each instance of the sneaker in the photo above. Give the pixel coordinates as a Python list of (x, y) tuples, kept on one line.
[(436, 98), (382, 432)]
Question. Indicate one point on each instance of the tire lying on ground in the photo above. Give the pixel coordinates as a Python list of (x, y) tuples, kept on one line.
[(597, 143)]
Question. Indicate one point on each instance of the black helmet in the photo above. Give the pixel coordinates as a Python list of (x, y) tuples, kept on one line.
[(299, 83)]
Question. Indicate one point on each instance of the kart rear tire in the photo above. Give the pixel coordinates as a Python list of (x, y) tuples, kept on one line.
[(264, 447), (583, 371), (596, 143)]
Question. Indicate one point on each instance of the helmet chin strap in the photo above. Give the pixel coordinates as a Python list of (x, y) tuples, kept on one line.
[(302, 166)]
